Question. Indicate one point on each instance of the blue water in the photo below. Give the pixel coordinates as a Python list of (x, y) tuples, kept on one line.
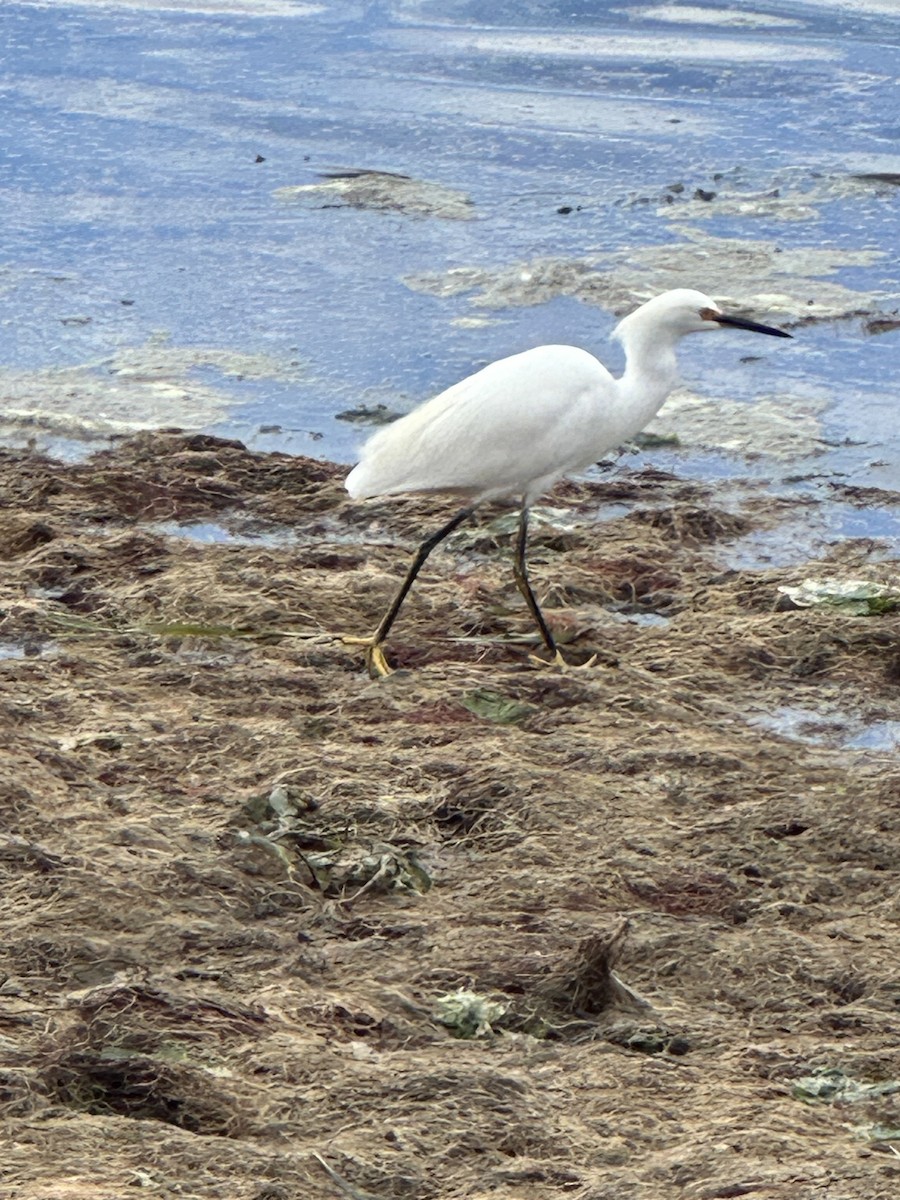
[(135, 203)]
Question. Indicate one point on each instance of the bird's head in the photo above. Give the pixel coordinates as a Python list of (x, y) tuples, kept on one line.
[(682, 311)]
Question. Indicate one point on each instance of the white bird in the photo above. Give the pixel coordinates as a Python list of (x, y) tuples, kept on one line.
[(518, 425)]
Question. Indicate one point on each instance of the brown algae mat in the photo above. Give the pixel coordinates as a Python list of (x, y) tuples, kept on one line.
[(274, 930)]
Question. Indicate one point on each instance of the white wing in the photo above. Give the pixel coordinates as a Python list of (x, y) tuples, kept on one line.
[(521, 421)]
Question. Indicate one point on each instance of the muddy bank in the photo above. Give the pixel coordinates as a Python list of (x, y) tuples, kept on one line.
[(481, 928)]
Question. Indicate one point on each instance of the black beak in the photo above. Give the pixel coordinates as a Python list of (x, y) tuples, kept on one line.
[(740, 323)]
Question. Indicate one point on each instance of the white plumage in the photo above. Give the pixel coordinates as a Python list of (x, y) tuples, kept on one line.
[(518, 425), (505, 430)]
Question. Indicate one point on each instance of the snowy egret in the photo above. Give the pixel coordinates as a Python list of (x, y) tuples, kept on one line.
[(518, 425)]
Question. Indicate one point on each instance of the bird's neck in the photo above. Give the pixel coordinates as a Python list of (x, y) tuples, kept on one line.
[(651, 371)]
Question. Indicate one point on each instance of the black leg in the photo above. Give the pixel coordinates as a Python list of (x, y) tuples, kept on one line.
[(418, 562), (521, 573)]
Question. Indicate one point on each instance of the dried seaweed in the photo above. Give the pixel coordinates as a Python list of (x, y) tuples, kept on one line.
[(238, 875)]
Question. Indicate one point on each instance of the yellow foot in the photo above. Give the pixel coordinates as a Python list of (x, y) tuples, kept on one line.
[(558, 661), (375, 659)]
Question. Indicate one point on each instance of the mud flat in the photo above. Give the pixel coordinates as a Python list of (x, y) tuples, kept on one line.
[(480, 929)]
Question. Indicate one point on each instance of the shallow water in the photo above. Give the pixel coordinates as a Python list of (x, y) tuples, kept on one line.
[(145, 143), (12, 648), (836, 729), (208, 533)]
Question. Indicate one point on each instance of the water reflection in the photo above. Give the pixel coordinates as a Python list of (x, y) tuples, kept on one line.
[(145, 143)]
